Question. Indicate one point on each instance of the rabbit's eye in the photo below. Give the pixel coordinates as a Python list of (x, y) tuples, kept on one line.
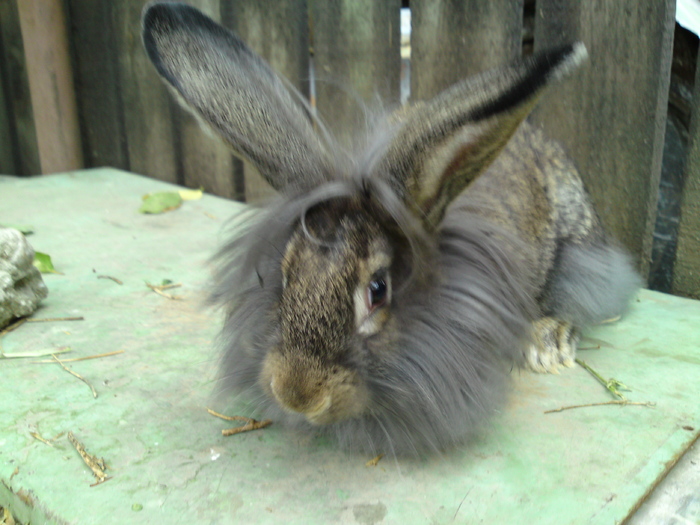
[(376, 293), (371, 301)]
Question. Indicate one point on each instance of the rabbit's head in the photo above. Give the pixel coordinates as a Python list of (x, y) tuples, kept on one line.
[(336, 288), (352, 300)]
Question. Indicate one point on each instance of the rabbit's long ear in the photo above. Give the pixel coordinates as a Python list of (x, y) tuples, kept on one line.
[(236, 93), (442, 145)]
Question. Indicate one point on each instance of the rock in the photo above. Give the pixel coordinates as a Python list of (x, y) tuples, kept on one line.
[(21, 285)]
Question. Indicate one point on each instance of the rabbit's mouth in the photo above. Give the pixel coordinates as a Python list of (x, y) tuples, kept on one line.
[(321, 414), (322, 395)]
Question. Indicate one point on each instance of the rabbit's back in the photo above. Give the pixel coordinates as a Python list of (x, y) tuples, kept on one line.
[(578, 273), (533, 191)]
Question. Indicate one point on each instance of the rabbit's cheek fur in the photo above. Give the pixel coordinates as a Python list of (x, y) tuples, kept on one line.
[(302, 383)]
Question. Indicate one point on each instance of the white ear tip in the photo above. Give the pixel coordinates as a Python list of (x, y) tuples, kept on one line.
[(576, 57), (579, 53)]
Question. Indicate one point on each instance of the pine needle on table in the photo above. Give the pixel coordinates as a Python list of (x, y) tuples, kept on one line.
[(37, 353), (616, 402), (73, 359), (94, 392), (158, 288), (54, 319)]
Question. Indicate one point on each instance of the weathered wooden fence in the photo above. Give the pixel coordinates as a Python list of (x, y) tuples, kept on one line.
[(78, 91)]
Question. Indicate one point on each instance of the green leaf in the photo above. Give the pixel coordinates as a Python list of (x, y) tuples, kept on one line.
[(26, 229), (43, 263), (160, 202)]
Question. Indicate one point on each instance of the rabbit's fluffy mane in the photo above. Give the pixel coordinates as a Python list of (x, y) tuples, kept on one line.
[(463, 319)]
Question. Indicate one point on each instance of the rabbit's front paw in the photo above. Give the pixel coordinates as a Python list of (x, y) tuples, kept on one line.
[(554, 345)]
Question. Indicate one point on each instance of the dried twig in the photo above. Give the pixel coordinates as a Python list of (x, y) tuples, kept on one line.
[(167, 295), (36, 435), (94, 392), (73, 359), (162, 287), (611, 384), (251, 424), (621, 402), (158, 288), (373, 462), (227, 418), (38, 353), (97, 465), (6, 517), (53, 319), (110, 277), (13, 326), (20, 322), (594, 341)]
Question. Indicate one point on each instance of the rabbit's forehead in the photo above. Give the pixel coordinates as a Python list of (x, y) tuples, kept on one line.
[(342, 264), (335, 245)]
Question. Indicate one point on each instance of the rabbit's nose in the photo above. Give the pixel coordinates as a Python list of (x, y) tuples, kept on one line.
[(302, 401)]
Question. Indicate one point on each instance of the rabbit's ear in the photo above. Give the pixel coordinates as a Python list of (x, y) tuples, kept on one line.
[(442, 145), (236, 93)]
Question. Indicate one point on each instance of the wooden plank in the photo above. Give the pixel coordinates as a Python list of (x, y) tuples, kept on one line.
[(277, 31), (98, 83), (357, 59), (149, 124), (50, 74), (452, 39), (686, 270), (611, 115), (16, 87), (183, 149), (8, 164), (207, 161)]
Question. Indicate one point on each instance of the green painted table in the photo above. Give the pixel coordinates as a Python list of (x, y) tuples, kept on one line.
[(167, 459)]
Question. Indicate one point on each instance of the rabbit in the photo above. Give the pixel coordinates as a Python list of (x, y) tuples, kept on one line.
[(386, 295)]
